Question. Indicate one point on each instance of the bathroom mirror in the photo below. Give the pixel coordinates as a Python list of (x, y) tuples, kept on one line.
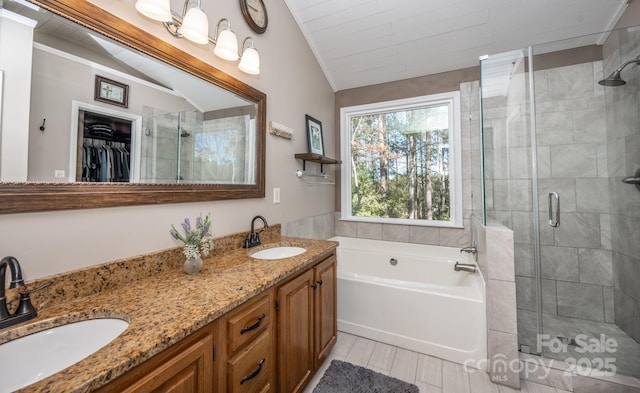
[(192, 132)]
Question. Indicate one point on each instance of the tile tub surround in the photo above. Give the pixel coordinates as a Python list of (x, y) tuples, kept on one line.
[(315, 227), (496, 261), (164, 307), (430, 235)]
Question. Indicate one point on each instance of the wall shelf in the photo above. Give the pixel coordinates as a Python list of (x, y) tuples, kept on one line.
[(322, 160), (315, 178)]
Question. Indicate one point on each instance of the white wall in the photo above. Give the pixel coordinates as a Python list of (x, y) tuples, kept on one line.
[(16, 33), (53, 242)]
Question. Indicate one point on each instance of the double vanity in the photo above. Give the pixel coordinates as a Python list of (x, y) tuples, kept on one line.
[(243, 324)]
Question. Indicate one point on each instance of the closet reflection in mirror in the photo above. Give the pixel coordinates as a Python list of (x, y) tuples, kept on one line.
[(177, 128)]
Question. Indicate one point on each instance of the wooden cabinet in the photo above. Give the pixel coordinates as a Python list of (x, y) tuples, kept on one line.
[(325, 322), (295, 333), (306, 324), (186, 367), (247, 344)]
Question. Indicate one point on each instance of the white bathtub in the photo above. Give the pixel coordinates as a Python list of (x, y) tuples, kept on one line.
[(421, 303)]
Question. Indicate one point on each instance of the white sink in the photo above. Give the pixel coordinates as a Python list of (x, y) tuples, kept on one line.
[(278, 252), (28, 359)]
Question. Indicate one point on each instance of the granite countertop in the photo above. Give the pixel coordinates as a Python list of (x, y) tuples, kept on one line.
[(163, 308)]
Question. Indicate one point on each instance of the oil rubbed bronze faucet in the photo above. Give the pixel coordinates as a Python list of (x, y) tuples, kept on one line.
[(253, 238), (25, 310)]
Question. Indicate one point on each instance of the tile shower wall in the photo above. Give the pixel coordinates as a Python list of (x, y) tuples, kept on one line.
[(571, 160), (623, 148), (576, 258), (160, 143)]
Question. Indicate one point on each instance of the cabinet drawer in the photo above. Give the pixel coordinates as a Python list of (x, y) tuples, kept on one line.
[(250, 370), (247, 323)]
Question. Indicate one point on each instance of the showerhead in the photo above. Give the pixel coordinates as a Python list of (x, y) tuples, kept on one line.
[(615, 79)]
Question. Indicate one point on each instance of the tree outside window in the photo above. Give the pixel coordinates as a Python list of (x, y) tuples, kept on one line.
[(398, 160)]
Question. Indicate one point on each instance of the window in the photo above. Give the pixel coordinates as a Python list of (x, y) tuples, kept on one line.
[(222, 150), (402, 161)]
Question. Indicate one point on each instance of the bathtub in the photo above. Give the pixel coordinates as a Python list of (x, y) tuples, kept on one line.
[(420, 303)]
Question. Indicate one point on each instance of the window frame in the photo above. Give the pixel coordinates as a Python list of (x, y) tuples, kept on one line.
[(455, 155)]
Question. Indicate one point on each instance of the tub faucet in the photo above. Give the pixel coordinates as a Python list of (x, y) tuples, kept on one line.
[(473, 249), (253, 238), (470, 249), (464, 267)]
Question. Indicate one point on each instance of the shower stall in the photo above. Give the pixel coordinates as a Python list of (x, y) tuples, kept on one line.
[(168, 146), (195, 147), (561, 159)]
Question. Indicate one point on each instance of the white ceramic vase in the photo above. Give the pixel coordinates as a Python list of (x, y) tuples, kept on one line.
[(192, 265)]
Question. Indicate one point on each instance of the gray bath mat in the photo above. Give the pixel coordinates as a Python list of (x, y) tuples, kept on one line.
[(343, 377)]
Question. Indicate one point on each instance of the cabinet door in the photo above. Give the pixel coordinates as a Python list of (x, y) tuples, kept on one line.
[(190, 371), (295, 333), (325, 309)]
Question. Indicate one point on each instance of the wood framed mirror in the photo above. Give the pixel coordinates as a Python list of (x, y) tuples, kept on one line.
[(28, 196)]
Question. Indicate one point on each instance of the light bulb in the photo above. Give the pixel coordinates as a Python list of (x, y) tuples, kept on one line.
[(195, 26), (250, 62), (155, 9), (227, 45)]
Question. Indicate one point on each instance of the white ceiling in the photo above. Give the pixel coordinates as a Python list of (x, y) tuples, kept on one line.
[(365, 42)]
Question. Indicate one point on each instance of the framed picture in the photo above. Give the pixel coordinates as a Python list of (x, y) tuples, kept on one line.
[(111, 92), (314, 136)]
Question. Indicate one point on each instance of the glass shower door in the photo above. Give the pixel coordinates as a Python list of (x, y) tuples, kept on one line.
[(509, 178), (168, 147), (581, 142), (558, 147)]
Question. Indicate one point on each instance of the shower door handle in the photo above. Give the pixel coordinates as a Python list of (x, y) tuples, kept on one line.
[(554, 213)]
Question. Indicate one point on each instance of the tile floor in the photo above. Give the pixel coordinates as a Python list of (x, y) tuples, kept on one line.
[(627, 352), (430, 374)]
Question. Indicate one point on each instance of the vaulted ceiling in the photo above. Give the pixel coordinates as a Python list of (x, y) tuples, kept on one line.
[(365, 42)]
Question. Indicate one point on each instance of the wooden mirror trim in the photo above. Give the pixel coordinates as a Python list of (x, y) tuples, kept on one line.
[(36, 196)]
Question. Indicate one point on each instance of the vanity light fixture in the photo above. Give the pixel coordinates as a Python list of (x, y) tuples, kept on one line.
[(227, 42), (193, 25), (250, 61)]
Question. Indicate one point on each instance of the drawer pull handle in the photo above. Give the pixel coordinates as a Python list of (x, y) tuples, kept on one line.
[(254, 326), (253, 374), (319, 282)]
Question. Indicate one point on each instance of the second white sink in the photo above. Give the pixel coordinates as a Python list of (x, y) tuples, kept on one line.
[(278, 252), (28, 359)]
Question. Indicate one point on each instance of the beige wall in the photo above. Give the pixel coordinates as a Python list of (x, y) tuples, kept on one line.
[(631, 16), (52, 242)]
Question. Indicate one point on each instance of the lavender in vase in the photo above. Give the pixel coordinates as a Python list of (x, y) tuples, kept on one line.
[(198, 242)]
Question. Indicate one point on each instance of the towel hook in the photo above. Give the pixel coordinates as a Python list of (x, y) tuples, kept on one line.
[(42, 126)]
